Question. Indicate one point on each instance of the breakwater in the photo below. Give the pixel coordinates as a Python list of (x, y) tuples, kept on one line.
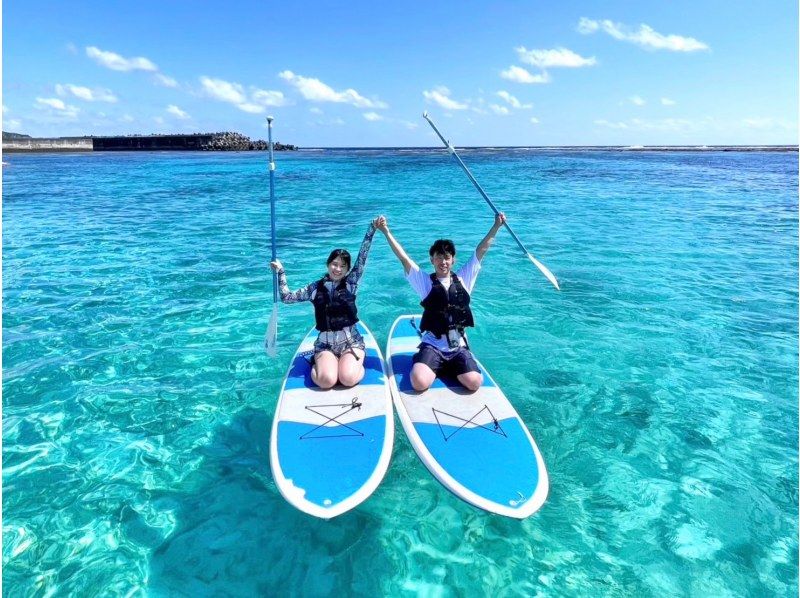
[(225, 141)]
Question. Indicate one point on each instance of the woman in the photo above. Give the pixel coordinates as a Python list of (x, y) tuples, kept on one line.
[(339, 348)]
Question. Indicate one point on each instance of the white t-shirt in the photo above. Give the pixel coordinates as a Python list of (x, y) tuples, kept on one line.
[(421, 282)]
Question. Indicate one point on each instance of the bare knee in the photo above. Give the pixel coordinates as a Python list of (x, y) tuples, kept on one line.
[(351, 377), (325, 379), (420, 383), (471, 380)]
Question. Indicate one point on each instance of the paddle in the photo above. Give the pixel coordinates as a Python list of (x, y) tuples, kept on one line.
[(271, 338), (452, 150)]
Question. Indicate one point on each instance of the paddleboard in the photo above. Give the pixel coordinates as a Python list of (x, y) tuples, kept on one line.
[(475, 444), (330, 449)]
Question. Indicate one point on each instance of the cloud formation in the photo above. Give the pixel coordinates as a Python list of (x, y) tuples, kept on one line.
[(316, 91), (501, 110), (115, 62), (667, 102), (57, 107), (441, 97), (175, 111), (234, 93), (372, 116), (85, 93), (514, 102), (166, 81), (521, 75), (645, 36), (558, 57), (637, 101)]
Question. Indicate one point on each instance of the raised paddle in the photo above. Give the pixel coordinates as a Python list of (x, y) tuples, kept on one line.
[(271, 338), (452, 151)]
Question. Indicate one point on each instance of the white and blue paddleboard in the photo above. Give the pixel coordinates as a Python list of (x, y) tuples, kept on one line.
[(331, 448), (475, 444)]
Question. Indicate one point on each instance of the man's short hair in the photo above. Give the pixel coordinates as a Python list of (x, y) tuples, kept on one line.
[(442, 246)]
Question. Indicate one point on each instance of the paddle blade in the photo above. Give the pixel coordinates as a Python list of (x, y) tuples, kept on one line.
[(271, 339), (544, 271)]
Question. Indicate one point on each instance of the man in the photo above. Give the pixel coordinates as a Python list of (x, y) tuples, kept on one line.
[(445, 299)]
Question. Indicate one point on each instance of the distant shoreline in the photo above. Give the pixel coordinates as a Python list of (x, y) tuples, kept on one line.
[(609, 148), (224, 141)]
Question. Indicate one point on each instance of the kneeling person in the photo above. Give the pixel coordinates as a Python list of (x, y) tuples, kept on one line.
[(445, 300)]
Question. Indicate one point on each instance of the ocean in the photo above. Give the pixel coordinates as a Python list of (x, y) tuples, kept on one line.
[(660, 383)]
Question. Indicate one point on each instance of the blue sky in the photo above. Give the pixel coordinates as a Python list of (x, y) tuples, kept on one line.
[(361, 73)]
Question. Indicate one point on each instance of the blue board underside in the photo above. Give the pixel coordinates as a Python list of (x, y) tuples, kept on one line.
[(485, 460), (343, 457)]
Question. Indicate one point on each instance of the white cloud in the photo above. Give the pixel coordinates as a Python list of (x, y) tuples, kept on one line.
[(116, 62), (662, 125), (520, 75), (224, 91), (636, 100), (315, 110), (85, 93), (175, 111), (645, 36), (769, 123), (71, 48), (441, 96), (267, 98), (234, 93), (126, 118), (59, 106), (409, 124), (159, 120), (514, 102), (165, 80), (501, 110), (534, 120), (317, 91), (13, 123), (5, 108), (611, 125), (372, 116), (559, 57), (251, 108), (667, 102)]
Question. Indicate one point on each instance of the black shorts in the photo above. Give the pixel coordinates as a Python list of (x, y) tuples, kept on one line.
[(452, 363)]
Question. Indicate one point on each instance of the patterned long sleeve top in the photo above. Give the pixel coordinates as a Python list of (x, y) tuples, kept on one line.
[(308, 292)]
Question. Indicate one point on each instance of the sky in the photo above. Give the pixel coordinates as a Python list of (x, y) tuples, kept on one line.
[(360, 74)]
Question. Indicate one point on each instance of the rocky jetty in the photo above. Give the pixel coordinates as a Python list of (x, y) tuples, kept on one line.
[(230, 141)]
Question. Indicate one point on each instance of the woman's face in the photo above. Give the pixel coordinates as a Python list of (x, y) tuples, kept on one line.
[(337, 269)]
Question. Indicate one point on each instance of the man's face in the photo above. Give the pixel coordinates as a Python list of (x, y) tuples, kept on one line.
[(442, 264)]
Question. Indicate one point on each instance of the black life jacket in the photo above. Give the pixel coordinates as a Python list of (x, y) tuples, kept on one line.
[(334, 311), (446, 309)]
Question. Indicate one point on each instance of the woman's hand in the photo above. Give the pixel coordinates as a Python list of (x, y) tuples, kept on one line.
[(276, 265), (381, 223)]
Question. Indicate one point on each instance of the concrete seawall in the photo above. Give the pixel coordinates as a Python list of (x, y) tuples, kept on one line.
[(47, 144), (225, 141)]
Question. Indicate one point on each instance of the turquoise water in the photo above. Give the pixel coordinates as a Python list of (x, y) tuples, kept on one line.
[(660, 383)]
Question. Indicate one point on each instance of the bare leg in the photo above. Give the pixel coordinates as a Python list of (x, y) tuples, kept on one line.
[(471, 380), (351, 370), (325, 370), (422, 377)]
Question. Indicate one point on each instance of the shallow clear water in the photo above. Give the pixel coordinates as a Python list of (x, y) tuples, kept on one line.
[(660, 383)]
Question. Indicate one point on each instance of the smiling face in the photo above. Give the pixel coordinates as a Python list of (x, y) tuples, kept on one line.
[(337, 269), (443, 264)]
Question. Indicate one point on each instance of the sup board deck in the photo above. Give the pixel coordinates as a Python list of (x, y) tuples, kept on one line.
[(475, 444), (329, 449)]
